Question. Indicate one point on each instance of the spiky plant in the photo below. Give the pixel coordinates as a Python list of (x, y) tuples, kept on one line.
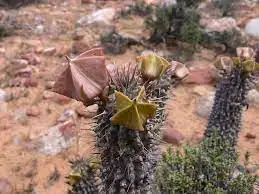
[(206, 168), (84, 177), (231, 99), (128, 157), (180, 20)]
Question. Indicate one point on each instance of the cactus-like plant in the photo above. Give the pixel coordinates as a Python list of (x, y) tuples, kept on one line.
[(230, 99), (211, 167), (206, 168), (128, 157), (127, 129)]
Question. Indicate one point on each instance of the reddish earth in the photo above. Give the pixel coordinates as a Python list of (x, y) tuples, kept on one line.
[(20, 162)]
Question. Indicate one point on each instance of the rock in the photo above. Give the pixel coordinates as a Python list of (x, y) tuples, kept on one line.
[(23, 72), (218, 25), (55, 139), (32, 58), (3, 95), (202, 90), (167, 3), (253, 97), (252, 27), (250, 135), (181, 71), (49, 51), (30, 82), (245, 52), (20, 115), (205, 75), (100, 18), (173, 136), (5, 186), (133, 29), (79, 47), (111, 68), (39, 29), (87, 112), (68, 114), (33, 111), (20, 62), (204, 105)]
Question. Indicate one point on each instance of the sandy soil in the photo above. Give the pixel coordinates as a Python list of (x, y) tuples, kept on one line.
[(20, 163)]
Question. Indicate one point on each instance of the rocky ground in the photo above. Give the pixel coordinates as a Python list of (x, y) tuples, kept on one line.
[(41, 131)]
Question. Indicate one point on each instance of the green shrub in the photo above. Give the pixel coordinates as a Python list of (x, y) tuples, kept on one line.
[(206, 168), (180, 21)]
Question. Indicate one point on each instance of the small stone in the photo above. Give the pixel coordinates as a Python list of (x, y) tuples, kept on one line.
[(68, 114), (20, 62), (87, 112), (30, 82), (33, 111), (23, 72), (5, 186), (253, 97), (49, 51), (92, 109), (205, 75), (250, 135), (181, 71), (252, 27), (39, 29), (99, 18), (32, 58), (3, 95), (55, 139), (172, 135), (2, 50), (218, 25), (245, 52), (204, 105)]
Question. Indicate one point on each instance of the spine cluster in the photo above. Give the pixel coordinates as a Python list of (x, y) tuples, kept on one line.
[(230, 100)]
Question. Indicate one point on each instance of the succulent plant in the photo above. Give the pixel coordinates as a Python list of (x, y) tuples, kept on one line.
[(206, 168), (180, 20), (84, 177), (127, 131), (129, 157), (230, 100)]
